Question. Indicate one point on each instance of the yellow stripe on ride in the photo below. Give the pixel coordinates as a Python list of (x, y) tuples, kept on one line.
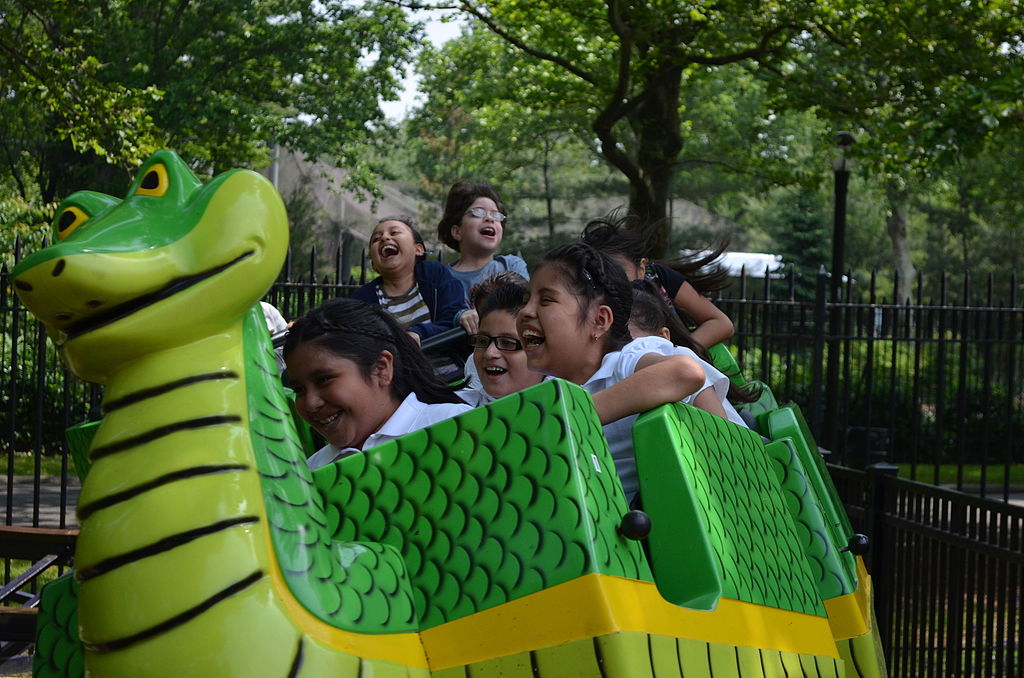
[(400, 648), (850, 615), (596, 605)]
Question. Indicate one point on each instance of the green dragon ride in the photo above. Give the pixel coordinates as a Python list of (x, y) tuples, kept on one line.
[(486, 545)]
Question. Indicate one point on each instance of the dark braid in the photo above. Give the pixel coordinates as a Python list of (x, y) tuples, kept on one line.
[(358, 331), (594, 277), (651, 312)]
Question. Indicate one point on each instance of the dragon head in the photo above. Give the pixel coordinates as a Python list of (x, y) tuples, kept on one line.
[(174, 261)]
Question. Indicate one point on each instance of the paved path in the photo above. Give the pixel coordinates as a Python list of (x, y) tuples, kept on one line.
[(49, 502)]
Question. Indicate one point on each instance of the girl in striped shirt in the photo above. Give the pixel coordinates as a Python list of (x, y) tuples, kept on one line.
[(423, 296)]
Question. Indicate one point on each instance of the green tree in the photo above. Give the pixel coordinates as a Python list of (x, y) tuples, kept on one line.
[(622, 67), (92, 87), (924, 85), (473, 124)]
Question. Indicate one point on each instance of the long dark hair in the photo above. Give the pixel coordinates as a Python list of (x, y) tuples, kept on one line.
[(651, 313), (505, 291), (622, 235), (358, 331), (460, 197), (594, 276)]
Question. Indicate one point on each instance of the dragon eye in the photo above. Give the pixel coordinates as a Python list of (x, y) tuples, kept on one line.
[(154, 182), (70, 219)]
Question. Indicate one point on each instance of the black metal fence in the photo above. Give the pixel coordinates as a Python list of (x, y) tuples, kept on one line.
[(936, 386), (948, 571)]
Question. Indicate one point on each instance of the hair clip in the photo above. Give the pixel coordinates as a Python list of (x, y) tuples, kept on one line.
[(586, 275)]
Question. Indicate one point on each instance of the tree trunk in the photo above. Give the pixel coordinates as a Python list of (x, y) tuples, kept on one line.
[(898, 195), (548, 198), (653, 117), (656, 125)]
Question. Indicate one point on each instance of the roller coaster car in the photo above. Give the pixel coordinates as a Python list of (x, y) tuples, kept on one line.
[(491, 544)]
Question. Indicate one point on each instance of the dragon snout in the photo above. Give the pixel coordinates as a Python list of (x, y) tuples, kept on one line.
[(45, 295)]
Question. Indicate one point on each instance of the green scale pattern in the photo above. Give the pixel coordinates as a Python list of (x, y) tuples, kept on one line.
[(496, 504), (740, 505), (828, 568), (351, 586), (813, 500), (59, 652)]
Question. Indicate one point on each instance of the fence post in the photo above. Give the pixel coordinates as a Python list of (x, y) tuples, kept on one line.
[(817, 392), (881, 501)]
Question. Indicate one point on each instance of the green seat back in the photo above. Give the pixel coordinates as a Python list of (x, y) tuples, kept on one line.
[(720, 524)]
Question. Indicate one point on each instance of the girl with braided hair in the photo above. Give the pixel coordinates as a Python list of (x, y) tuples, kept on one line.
[(657, 328), (574, 326), (360, 380)]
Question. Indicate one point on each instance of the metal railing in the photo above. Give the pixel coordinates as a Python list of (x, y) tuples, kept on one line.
[(933, 384), (948, 574), (936, 385)]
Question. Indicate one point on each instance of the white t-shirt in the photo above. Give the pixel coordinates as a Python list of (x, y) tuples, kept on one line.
[(618, 365), (275, 323), (411, 415), (712, 375), (615, 367)]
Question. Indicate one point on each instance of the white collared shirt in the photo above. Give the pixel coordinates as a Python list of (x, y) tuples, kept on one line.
[(713, 377), (411, 415), (615, 367)]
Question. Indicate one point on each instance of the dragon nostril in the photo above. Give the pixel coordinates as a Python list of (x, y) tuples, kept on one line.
[(63, 316), (58, 269), (93, 303), (23, 286)]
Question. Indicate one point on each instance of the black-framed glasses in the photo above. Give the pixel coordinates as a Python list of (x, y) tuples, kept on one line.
[(480, 213), (482, 341)]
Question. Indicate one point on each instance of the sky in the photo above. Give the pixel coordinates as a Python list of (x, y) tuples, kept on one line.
[(437, 33)]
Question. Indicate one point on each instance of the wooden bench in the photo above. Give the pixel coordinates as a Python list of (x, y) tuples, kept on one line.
[(45, 548)]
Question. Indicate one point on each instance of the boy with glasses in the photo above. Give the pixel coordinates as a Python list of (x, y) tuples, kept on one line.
[(498, 364)]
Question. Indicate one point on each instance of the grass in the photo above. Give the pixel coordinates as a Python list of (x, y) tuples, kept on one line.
[(994, 474), (43, 578), (24, 464)]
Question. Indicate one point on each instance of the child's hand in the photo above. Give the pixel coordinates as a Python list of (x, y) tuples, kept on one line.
[(415, 337), (470, 321)]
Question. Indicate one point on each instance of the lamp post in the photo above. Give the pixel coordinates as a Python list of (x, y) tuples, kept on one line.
[(841, 167), (834, 440)]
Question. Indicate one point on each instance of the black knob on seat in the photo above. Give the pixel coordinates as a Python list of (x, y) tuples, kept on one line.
[(635, 525), (858, 545)]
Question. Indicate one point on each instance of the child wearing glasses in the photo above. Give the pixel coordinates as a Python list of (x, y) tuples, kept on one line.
[(574, 326), (473, 224), (497, 366), (360, 380), (422, 295)]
